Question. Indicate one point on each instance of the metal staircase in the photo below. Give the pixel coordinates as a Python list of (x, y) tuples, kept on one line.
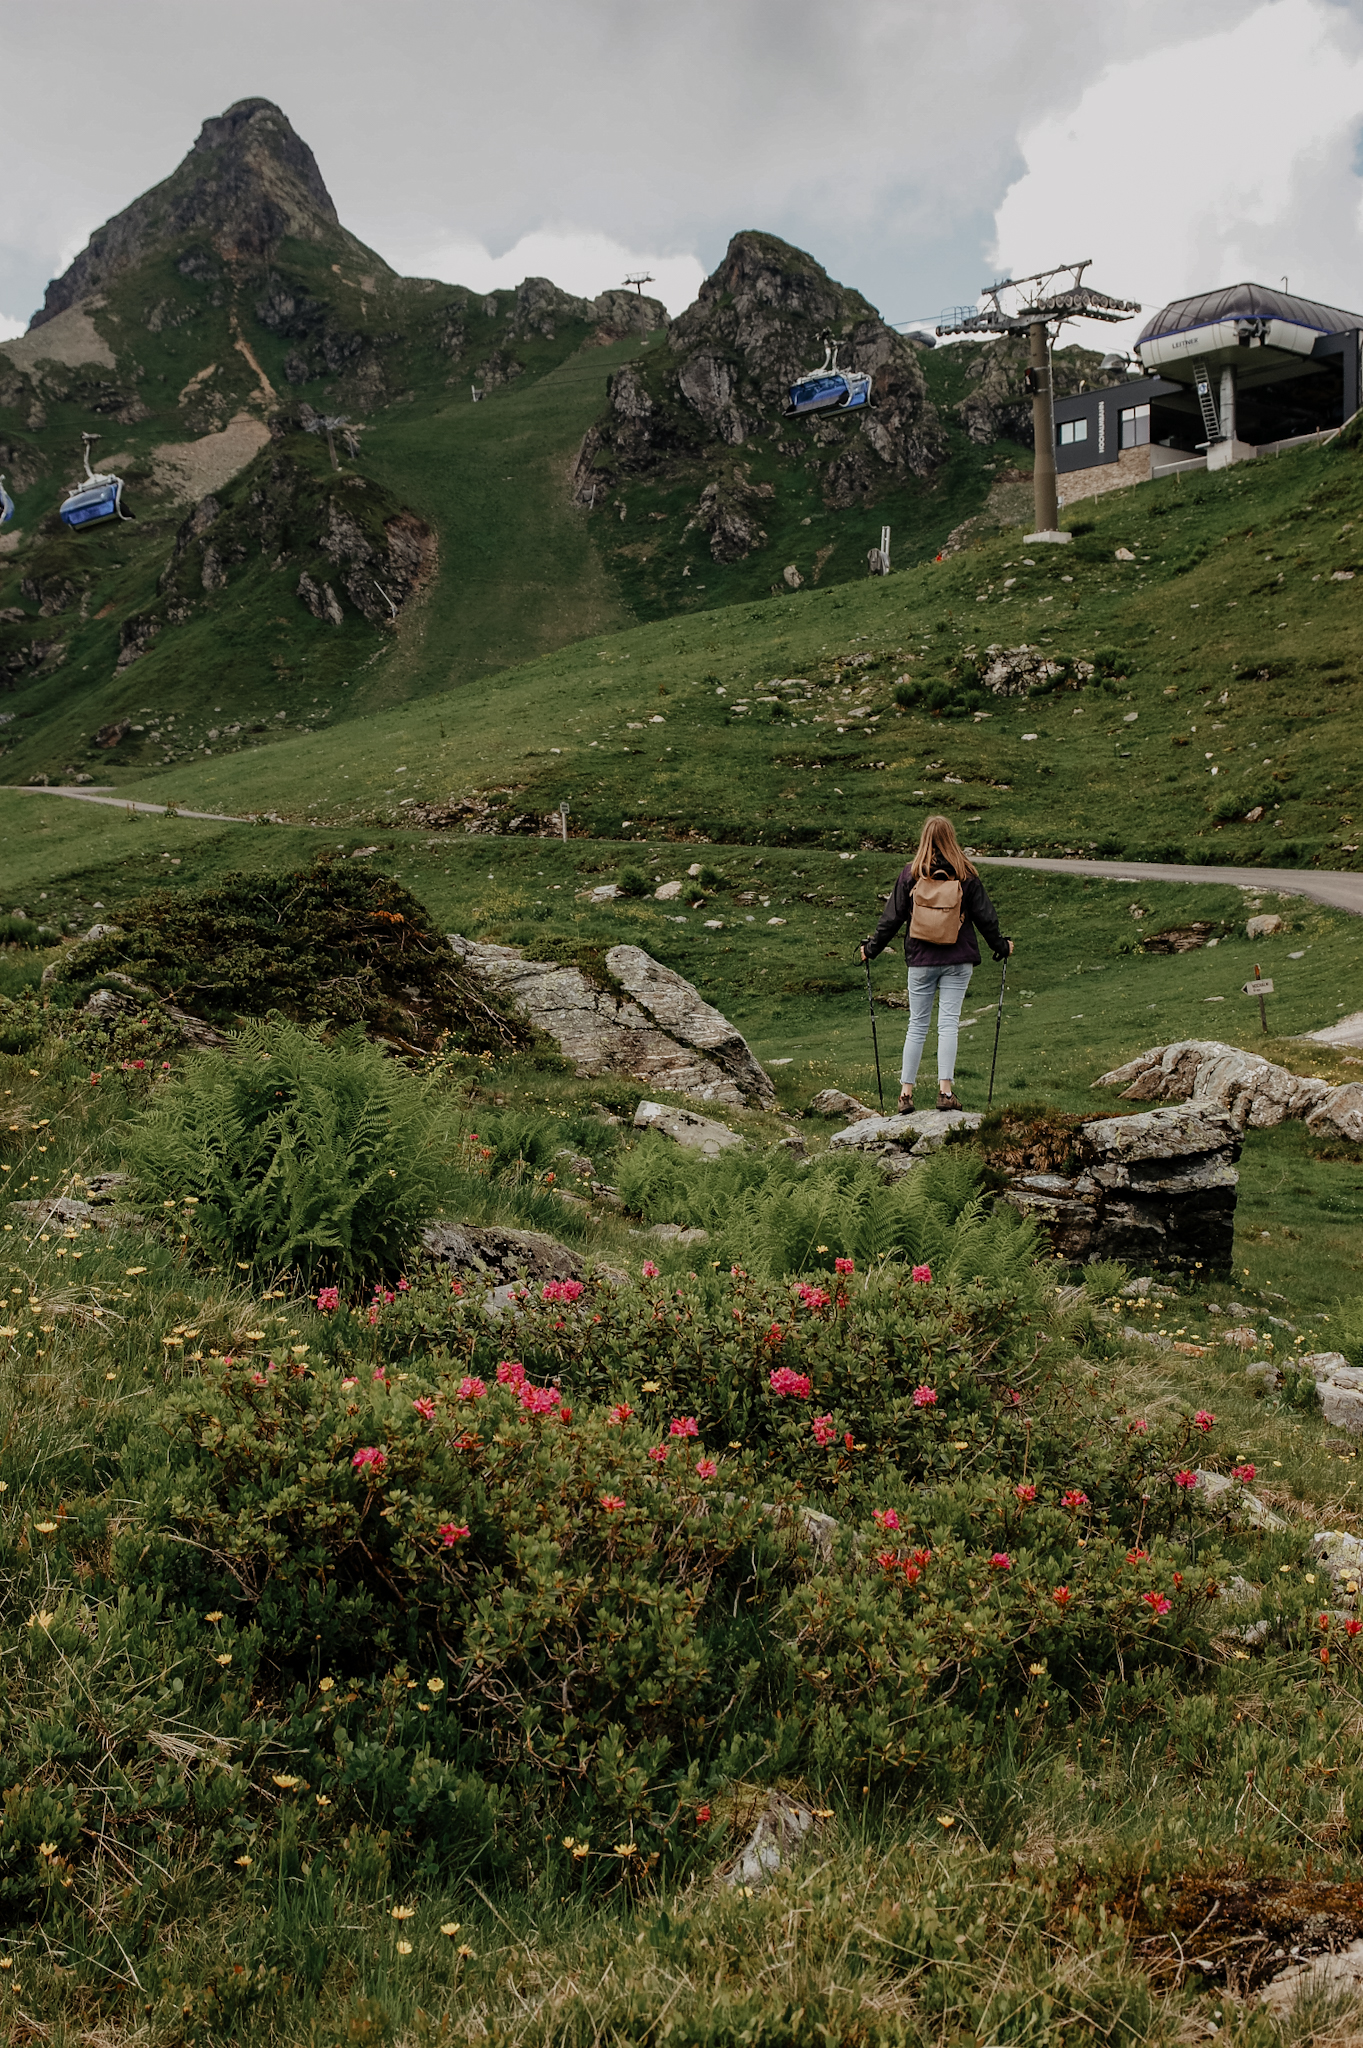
[(1202, 384)]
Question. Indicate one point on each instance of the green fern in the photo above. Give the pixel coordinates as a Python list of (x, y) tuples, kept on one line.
[(769, 1213), (289, 1152)]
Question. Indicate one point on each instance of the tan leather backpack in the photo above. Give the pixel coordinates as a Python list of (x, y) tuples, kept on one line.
[(937, 914)]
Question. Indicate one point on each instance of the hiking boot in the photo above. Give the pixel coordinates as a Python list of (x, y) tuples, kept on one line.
[(946, 1096), (905, 1101)]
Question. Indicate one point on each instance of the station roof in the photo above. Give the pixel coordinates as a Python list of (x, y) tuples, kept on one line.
[(1247, 302)]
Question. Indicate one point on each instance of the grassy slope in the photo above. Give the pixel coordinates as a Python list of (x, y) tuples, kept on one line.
[(1080, 998), (519, 571), (1233, 597)]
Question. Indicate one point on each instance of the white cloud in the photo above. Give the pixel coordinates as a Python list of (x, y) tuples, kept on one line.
[(579, 260), (1223, 157), (10, 328)]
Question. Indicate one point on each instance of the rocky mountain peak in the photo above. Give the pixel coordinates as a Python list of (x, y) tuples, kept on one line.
[(249, 181), (723, 377)]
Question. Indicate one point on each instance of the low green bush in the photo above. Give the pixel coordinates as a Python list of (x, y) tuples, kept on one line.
[(633, 882), (289, 1152)]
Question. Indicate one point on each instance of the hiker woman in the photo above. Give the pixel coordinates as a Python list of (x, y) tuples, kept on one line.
[(941, 899)]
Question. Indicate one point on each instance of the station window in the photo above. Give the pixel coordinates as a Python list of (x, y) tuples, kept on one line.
[(1136, 426), (1073, 430)]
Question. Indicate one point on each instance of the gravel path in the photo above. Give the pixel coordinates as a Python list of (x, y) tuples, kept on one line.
[(123, 803), (1340, 891)]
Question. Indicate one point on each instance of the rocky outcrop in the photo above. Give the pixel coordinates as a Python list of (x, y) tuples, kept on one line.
[(997, 408), (652, 1025), (725, 512), (1158, 1189), (248, 183), (1019, 671), (899, 1142), (726, 370), (498, 1257), (1254, 1092)]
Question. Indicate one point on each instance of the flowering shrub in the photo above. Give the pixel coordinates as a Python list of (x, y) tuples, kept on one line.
[(784, 1381)]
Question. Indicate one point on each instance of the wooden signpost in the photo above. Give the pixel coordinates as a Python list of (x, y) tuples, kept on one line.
[(1261, 986), (563, 820)]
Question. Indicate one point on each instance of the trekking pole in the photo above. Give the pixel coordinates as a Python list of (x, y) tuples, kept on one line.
[(998, 1025), (880, 1088)]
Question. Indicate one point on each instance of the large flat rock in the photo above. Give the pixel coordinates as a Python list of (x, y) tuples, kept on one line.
[(684, 1127), (654, 1026)]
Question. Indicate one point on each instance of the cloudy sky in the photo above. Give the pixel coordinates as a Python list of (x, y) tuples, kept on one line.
[(918, 150)]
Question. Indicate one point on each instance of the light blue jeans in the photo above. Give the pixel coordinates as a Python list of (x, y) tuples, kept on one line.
[(949, 985)]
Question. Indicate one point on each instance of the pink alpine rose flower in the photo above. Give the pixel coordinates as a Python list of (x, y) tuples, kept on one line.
[(561, 1290), (658, 1454), (612, 1502), (1157, 1603), (472, 1389), (1025, 1492), (683, 1425), (425, 1408), (329, 1300), (1074, 1499), (887, 1518), (451, 1533), (813, 1297), (1187, 1480), (925, 1397), (620, 1413), (844, 1265), (784, 1381), (706, 1468), (1203, 1421), (922, 1276), (371, 1459), (1244, 1473), (650, 1271), (511, 1373), (1001, 1562), (539, 1400), (824, 1432)]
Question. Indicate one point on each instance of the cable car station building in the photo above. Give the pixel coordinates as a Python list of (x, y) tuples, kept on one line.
[(1222, 378)]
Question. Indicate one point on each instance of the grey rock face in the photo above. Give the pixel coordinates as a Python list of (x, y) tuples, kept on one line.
[(499, 1257), (1154, 1189), (1341, 1555), (684, 1127), (1263, 927), (1256, 1093), (1340, 1114), (727, 366), (833, 1102), (660, 1031)]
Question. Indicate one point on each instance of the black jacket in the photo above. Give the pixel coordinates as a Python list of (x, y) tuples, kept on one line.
[(977, 910)]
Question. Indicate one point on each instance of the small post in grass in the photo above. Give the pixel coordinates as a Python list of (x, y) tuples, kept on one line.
[(1261, 986), (563, 820)]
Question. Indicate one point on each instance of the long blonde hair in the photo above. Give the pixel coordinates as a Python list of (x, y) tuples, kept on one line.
[(938, 845)]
